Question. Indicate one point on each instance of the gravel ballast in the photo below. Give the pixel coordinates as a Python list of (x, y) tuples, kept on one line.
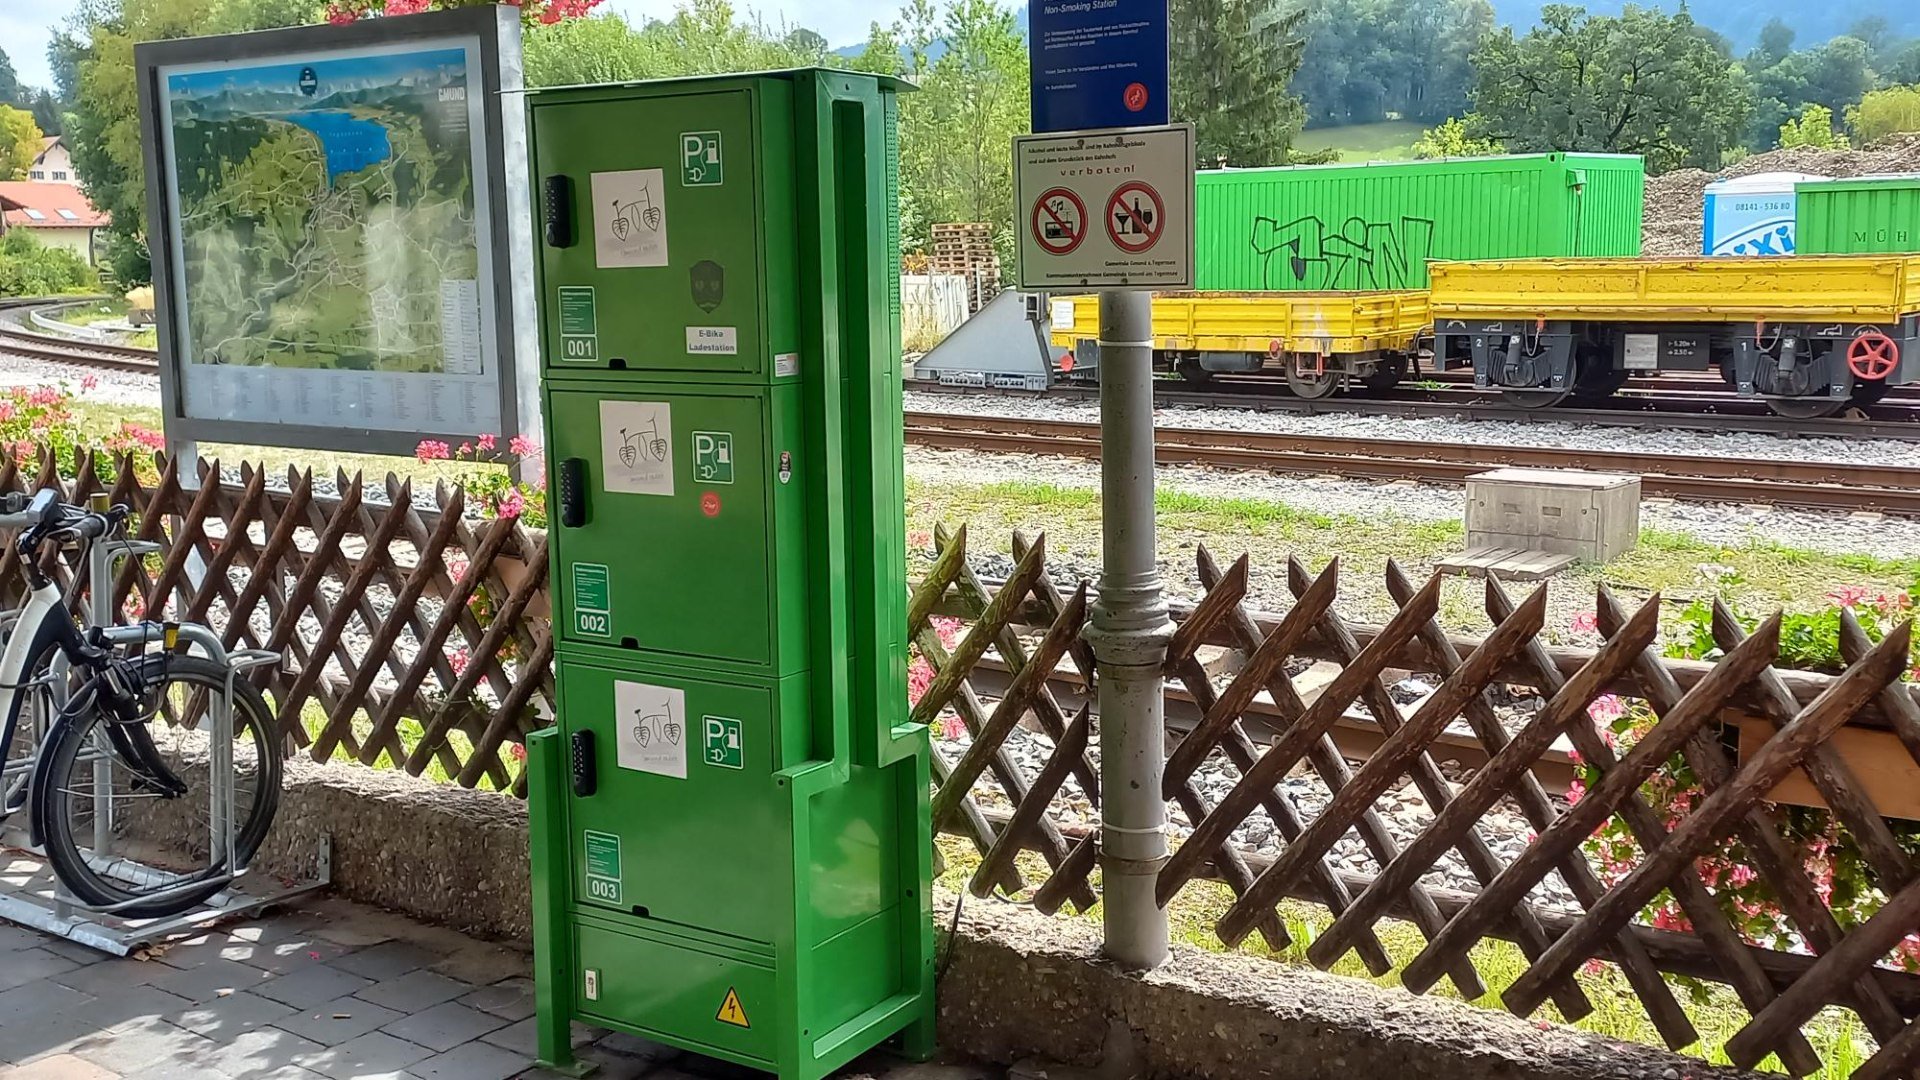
[(1715, 523), (1544, 433)]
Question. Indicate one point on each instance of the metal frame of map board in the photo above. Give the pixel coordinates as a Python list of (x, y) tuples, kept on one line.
[(504, 232)]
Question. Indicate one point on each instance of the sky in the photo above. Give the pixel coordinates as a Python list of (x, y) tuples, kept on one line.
[(27, 25)]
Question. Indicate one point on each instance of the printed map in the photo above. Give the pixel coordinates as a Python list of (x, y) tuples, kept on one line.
[(326, 214)]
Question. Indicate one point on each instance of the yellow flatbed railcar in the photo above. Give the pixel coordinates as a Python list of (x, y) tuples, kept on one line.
[(1858, 288), (1808, 334), (1317, 338)]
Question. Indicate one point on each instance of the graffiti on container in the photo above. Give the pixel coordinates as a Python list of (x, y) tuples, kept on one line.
[(1360, 254)]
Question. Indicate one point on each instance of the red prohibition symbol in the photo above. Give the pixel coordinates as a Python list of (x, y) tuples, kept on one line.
[(1873, 355), (1135, 217), (1059, 221), (1135, 97)]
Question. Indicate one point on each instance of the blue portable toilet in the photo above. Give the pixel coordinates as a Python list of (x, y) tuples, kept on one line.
[(1751, 215)]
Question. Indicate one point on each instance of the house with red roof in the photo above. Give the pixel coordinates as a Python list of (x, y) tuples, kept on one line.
[(58, 215)]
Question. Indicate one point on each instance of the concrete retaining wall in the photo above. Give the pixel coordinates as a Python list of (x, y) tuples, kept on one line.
[(1017, 985)]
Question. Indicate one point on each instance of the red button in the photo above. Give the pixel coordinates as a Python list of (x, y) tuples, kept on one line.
[(710, 503)]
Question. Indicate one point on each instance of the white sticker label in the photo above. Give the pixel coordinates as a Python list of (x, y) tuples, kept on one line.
[(636, 447), (1062, 316), (629, 218), (787, 363), (1641, 352), (650, 728), (713, 340)]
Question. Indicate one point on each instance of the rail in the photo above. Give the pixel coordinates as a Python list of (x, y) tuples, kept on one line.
[(1784, 482)]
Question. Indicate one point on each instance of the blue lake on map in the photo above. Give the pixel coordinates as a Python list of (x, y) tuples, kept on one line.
[(350, 143)]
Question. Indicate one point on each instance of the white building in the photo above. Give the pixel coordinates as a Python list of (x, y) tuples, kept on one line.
[(54, 165), (56, 214)]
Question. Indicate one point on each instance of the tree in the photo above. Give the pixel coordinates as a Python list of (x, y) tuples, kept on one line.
[(1813, 128), (19, 142), (1644, 82), (1876, 31), (10, 88), (1232, 63), (31, 268), (806, 46), (1776, 41), (1454, 139), (1893, 111), (972, 102), (702, 38), (1901, 65), (47, 113), (1834, 75), (1370, 60), (882, 55)]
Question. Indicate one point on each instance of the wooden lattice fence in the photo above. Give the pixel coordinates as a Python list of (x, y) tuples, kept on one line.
[(417, 637), (406, 627), (1231, 667)]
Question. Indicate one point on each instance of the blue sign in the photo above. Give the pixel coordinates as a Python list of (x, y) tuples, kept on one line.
[(1098, 63)]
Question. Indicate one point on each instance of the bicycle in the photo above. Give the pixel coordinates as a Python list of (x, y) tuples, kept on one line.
[(120, 735)]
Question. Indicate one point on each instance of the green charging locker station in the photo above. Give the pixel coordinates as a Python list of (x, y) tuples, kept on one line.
[(730, 826)]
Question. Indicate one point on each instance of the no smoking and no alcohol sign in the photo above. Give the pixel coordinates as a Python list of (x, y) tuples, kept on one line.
[(1138, 185)]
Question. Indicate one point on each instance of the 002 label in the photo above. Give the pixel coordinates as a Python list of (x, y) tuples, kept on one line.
[(593, 622)]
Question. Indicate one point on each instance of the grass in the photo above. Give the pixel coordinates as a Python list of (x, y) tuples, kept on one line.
[(1840, 1039), (1768, 574), (1389, 140)]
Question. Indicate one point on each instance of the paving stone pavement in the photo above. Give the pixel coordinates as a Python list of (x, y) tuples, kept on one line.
[(329, 991)]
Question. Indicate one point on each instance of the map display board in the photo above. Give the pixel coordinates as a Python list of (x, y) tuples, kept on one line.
[(328, 231)]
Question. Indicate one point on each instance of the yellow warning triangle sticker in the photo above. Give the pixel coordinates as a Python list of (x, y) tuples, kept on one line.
[(731, 1012)]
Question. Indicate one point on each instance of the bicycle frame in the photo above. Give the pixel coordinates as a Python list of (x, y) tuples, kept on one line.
[(44, 620)]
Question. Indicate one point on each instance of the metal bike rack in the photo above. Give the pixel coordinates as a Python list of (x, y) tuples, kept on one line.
[(44, 904)]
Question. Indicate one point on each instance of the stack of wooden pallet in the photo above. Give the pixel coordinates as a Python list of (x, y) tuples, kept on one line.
[(965, 249)]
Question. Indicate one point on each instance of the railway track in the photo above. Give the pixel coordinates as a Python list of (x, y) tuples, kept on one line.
[(81, 353), (1802, 484), (1681, 410), (64, 350)]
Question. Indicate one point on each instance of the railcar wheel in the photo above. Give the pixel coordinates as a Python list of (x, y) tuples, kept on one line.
[(1312, 387), (1384, 376)]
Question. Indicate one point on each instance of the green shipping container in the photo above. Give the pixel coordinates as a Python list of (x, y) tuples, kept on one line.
[(1374, 226), (1865, 216)]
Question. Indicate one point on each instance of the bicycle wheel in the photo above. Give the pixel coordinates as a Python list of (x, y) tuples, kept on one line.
[(110, 836)]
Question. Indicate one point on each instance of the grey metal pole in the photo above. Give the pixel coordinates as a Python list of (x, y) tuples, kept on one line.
[(1129, 632)]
